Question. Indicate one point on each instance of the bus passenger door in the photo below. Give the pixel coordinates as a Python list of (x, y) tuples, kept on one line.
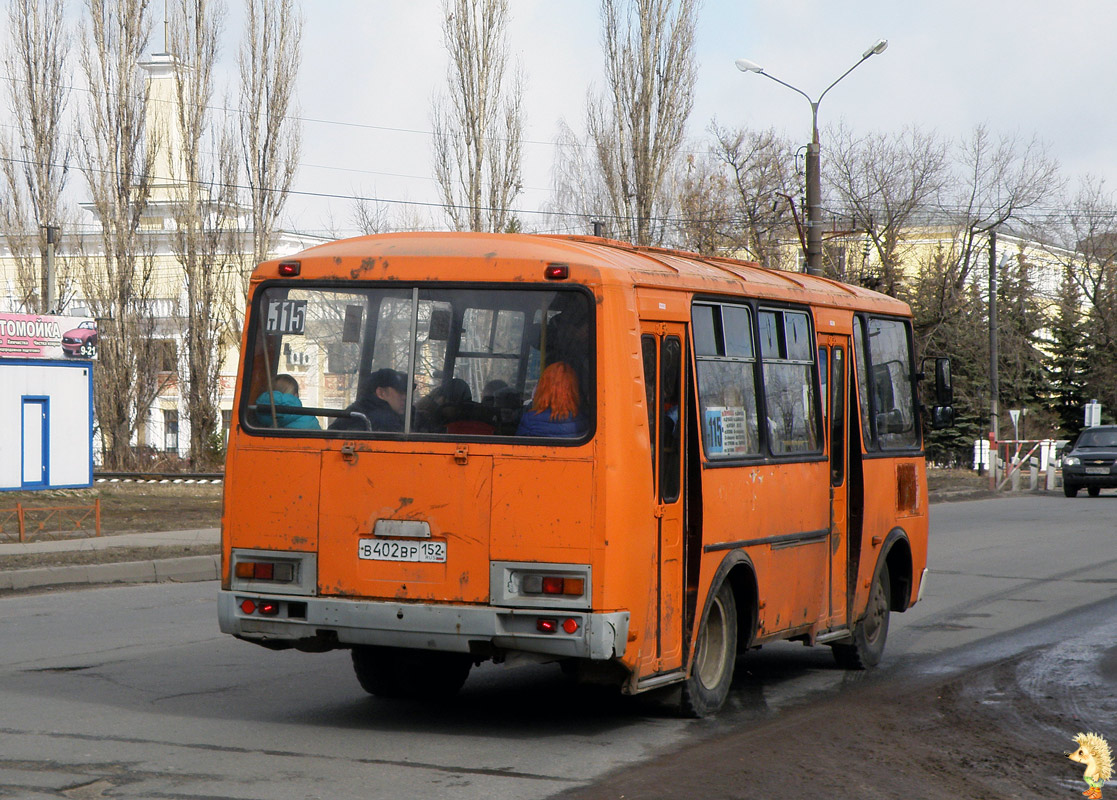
[(833, 363), (664, 365)]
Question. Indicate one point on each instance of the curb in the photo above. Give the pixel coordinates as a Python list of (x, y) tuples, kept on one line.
[(180, 570)]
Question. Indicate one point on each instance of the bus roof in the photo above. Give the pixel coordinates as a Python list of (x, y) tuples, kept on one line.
[(522, 257)]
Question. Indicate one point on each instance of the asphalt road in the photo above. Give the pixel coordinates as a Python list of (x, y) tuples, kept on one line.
[(132, 692)]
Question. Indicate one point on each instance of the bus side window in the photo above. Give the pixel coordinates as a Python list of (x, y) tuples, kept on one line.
[(647, 343), (890, 371), (670, 374), (726, 372), (788, 358)]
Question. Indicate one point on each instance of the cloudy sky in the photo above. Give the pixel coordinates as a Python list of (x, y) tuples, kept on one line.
[(370, 68)]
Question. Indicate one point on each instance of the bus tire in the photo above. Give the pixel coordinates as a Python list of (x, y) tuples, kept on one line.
[(715, 654), (871, 632), (395, 672)]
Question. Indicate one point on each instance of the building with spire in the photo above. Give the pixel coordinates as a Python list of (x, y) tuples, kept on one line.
[(165, 431)]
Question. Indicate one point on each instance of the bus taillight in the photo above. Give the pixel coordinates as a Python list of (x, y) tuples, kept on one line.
[(265, 571), (554, 584)]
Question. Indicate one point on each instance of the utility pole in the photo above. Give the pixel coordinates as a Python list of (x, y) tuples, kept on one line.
[(994, 387), (47, 291), (814, 198)]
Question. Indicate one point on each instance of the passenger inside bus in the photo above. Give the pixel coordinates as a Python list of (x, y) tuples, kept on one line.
[(567, 341), (557, 407), (285, 392), (450, 408), (381, 399)]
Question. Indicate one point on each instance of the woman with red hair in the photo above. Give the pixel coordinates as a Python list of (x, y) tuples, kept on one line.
[(555, 409)]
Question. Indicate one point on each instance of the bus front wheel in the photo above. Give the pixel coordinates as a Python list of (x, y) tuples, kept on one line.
[(715, 654), (870, 634), (418, 674)]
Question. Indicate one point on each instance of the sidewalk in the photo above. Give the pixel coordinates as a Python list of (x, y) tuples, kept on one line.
[(186, 568)]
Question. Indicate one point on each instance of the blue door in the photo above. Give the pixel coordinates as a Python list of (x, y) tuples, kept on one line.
[(36, 450)]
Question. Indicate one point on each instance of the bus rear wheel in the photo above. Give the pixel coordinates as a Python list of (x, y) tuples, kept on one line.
[(418, 674), (715, 654), (870, 634)]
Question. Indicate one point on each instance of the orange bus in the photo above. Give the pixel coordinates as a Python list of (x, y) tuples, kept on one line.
[(449, 448)]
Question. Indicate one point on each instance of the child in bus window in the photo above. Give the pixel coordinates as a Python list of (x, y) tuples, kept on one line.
[(556, 408), (285, 392)]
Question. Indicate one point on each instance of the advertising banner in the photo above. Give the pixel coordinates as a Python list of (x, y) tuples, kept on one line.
[(47, 337)]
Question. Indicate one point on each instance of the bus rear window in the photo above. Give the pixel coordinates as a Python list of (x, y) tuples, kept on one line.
[(428, 362)]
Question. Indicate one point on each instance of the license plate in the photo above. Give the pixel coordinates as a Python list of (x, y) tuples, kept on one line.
[(426, 552), (1097, 470)]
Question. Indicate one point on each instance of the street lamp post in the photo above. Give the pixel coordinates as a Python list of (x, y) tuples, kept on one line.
[(814, 177)]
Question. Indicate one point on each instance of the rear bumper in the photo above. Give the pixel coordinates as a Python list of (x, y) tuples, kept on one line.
[(452, 628)]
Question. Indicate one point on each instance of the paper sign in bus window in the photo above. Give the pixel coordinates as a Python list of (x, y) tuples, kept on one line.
[(286, 316), (726, 431)]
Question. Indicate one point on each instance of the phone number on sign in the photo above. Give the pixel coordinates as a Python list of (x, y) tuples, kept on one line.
[(410, 550)]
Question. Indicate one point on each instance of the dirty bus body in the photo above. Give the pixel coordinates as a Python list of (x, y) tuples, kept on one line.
[(738, 460)]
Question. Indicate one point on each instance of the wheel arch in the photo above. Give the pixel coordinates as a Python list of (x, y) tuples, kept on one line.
[(896, 554), (737, 568)]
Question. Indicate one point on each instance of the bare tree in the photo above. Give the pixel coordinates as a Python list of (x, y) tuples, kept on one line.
[(578, 197), (117, 162), (270, 136), (478, 124), (705, 207), (203, 212), (996, 182), (637, 126), (370, 216), (761, 172), (885, 184), (36, 163)]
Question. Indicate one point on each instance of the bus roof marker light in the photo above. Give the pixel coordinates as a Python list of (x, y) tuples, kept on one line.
[(289, 269), (557, 272)]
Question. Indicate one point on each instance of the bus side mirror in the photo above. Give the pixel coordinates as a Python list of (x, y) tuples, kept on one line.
[(942, 412), (944, 389)]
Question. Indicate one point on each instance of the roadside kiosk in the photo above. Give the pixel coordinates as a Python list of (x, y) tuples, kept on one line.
[(46, 401)]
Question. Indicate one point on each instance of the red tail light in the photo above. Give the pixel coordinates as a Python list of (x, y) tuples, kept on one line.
[(269, 608), (553, 584), (544, 625), (265, 571)]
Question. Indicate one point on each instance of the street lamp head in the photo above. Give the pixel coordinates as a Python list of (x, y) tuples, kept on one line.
[(745, 65), (878, 48)]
